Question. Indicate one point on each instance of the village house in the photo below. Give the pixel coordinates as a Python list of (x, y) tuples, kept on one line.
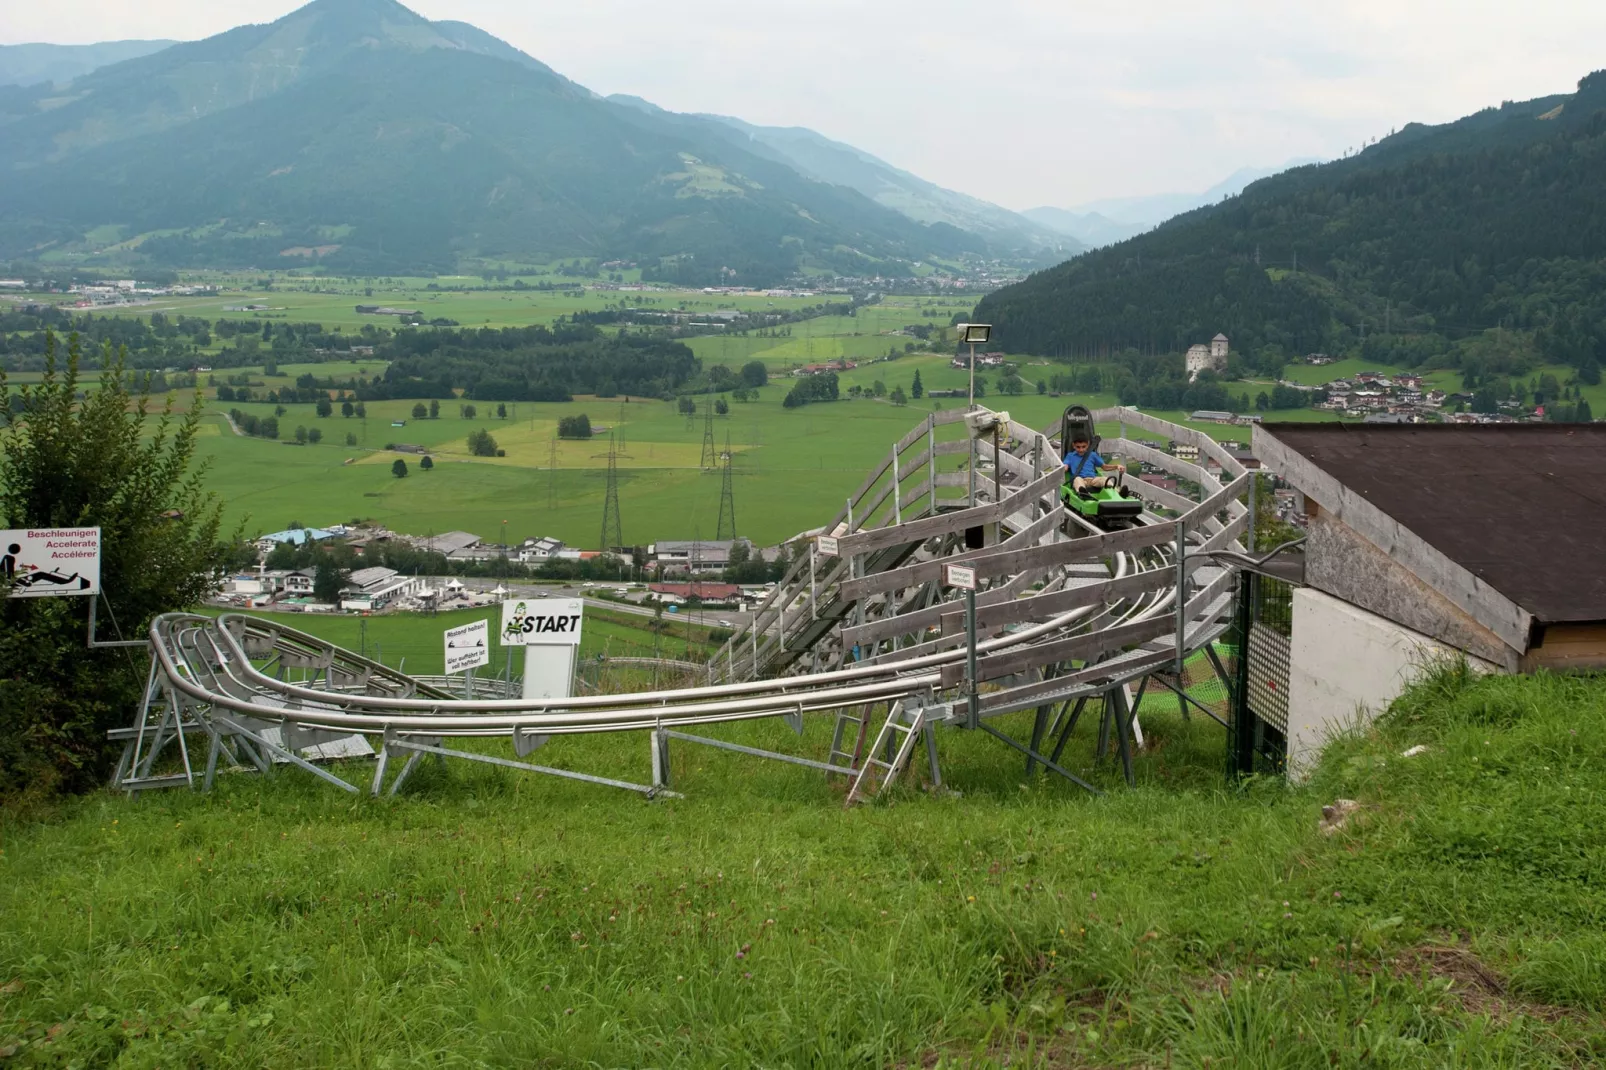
[(535, 551)]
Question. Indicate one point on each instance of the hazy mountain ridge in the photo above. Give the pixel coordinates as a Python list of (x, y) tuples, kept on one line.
[(1113, 219), (1430, 237), (32, 64), (396, 143)]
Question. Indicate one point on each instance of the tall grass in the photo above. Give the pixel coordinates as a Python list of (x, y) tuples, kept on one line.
[(484, 917)]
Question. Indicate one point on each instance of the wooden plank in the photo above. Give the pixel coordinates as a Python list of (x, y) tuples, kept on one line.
[(918, 620), (1176, 432), (1173, 465), (1002, 562), (921, 530), (1076, 648), (1041, 607), (1034, 693)]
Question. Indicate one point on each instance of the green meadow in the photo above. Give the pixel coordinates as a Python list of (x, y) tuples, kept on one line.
[(792, 469), (486, 917)]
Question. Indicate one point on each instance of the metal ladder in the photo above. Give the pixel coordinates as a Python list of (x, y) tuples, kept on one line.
[(848, 757), (876, 775)]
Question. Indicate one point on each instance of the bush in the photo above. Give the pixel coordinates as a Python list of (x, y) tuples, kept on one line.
[(87, 461), (481, 444)]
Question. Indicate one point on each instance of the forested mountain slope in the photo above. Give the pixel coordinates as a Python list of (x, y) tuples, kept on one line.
[(360, 134), (1481, 241)]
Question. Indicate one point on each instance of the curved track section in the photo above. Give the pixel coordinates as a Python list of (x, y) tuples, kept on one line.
[(1066, 613)]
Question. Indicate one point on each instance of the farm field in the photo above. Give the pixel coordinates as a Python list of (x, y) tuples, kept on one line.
[(485, 916), (792, 468)]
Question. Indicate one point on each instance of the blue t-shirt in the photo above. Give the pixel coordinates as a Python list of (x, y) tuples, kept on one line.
[(1083, 467)]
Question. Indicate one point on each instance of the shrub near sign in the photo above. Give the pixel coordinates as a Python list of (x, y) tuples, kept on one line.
[(41, 562)]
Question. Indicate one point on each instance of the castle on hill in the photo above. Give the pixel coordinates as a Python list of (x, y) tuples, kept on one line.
[(1212, 357)]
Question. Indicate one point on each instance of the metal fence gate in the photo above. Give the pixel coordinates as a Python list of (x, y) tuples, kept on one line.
[(1260, 705)]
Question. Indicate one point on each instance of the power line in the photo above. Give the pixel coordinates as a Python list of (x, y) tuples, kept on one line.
[(709, 460), (612, 527), (552, 473), (727, 497)]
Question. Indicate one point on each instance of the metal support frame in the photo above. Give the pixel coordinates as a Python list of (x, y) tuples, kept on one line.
[(651, 791), (1047, 762), (720, 744), (287, 754), (102, 644)]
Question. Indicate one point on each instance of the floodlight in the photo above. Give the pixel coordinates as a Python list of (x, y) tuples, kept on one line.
[(976, 334), (983, 423)]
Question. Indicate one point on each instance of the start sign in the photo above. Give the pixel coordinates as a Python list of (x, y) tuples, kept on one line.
[(541, 622), (41, 562)]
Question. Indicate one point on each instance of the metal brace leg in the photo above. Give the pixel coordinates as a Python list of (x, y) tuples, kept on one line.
[(1070, 726), (1123, 734), (401, 777), (930, 732), (383, 761), (294, 759), (211, 757)]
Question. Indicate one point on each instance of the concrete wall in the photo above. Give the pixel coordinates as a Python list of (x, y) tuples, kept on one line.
[(1346, 665)]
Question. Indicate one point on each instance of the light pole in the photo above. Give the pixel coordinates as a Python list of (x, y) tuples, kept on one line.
[(974, 334)]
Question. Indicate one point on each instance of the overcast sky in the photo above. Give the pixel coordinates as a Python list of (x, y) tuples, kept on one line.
[(1022, 102)]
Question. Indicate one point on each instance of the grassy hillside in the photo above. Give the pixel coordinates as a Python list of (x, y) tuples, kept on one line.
[(487, 917)]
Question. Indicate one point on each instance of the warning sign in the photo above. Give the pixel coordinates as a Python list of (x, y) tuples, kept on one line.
[(468, 647), (541, 622), (42, 562), (961, 576)]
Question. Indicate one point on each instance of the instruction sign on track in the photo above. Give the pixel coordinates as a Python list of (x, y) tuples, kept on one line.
[(468, 646), (43, 562)]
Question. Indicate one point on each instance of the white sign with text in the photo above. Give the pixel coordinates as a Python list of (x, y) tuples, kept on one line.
[(42, 562), (961, 576), (827, 546), (541, 621), (468, 647)]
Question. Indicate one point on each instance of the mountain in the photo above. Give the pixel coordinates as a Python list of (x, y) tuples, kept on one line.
[(1114, 219), (825, 160), (360, 134), (1479, 243), (35, 63), (1092, 229)]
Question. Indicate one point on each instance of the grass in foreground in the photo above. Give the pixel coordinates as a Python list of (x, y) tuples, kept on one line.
[(489, 918)]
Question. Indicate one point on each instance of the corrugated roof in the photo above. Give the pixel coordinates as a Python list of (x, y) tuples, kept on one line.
[(1520, 506)]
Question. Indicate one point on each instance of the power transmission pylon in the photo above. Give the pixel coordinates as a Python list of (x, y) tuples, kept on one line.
[(552, 474), (612, 529), (620, 430), (710, 459), (727, 498)]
